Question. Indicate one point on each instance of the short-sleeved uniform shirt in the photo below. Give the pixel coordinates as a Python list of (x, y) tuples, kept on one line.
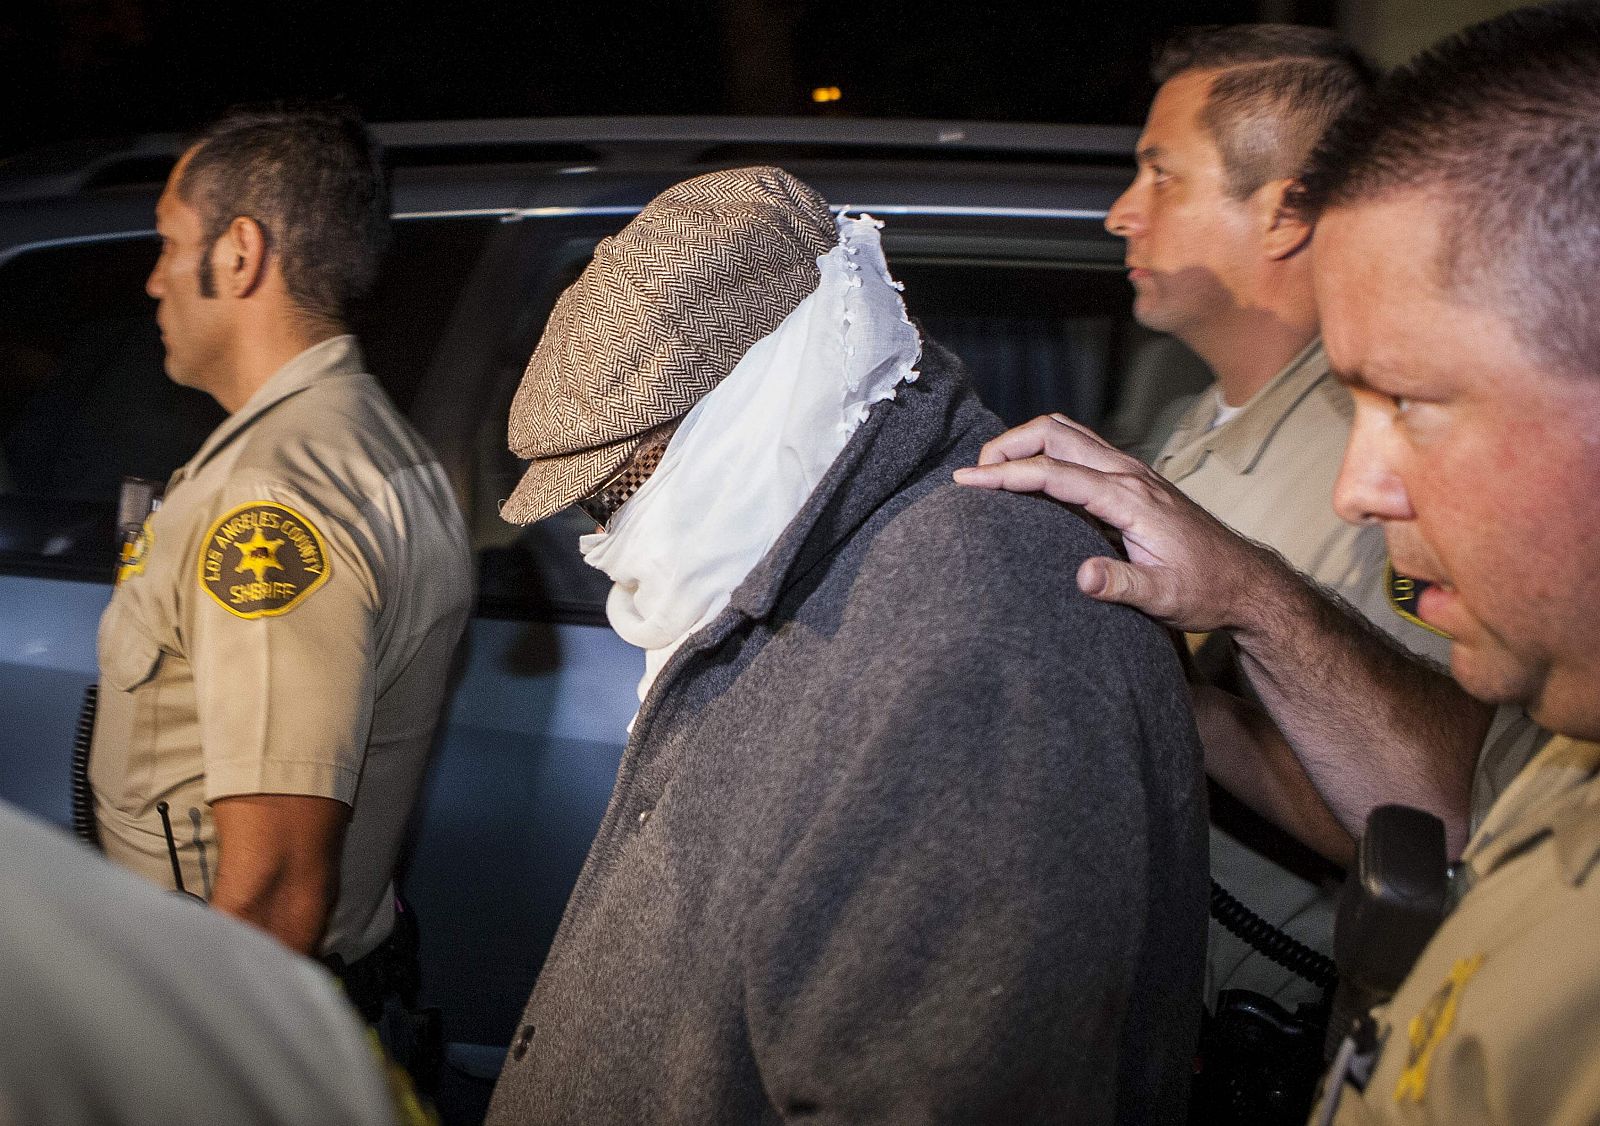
[(1499, 1020), (284, 626), (127, 1004), (1268, 472)]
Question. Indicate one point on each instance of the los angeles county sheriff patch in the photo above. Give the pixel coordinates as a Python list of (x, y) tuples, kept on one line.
[(262, 559), (1403, 594)]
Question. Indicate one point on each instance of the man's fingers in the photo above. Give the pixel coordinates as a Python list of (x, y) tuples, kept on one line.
[(1019, 442), (1112, 580), (1056, 436), (1105, 496), (1175, 550), (1073, 424), (1071, 484), (1093, 577), (1170, 554)]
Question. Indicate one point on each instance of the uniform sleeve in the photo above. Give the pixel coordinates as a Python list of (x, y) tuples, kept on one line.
[(140, 1006), (979, 923), (282, 610), (1498, 1020)]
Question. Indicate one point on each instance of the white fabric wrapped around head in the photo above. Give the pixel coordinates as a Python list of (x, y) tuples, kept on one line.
[(748, 455)]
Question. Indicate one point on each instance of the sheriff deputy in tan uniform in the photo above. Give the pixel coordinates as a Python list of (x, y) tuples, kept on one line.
[(1455, 218), (1216, 264), (274, 657)]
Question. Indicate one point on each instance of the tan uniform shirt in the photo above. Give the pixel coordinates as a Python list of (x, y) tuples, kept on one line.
[(126, 1004), (1499, 1021), (1268, 473), (285, 627)]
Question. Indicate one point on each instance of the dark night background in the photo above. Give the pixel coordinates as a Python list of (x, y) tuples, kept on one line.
[(86, 68)]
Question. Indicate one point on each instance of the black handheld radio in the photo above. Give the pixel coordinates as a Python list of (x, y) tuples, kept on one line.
[(137, 499)]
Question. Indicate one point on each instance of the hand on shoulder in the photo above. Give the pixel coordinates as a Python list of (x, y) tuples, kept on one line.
[(1183, 566)]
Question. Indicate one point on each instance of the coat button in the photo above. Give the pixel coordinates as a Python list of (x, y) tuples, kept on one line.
[(519, 1046), (644, 815)]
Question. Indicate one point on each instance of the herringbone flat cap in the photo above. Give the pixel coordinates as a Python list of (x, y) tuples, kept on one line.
[(662, 314)]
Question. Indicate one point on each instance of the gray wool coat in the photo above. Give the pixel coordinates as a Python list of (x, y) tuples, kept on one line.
[(912, 832)]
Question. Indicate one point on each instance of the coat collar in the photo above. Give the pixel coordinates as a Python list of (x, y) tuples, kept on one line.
[(920, 422), (923, 420), (1242, 440)]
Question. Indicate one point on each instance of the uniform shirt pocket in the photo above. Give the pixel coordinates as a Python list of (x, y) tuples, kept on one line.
[(127, 658), (122, 765)]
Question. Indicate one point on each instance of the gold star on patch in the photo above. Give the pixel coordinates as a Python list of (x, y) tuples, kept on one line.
[(258, 555), (300, 568)]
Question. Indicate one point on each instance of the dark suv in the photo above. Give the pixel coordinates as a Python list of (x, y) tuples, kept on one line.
[(995, 230)]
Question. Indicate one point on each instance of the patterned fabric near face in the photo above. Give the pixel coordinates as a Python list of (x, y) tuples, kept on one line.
[(744, 460), (615, 493)]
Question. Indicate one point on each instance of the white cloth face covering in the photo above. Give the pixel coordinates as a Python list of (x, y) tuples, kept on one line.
[(748, 455)]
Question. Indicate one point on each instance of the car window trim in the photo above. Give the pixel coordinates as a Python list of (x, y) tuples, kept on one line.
[(21, 248), (516, 214), (961, 211)]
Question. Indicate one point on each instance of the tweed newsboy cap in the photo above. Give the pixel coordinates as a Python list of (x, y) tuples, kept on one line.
[(660, 316)]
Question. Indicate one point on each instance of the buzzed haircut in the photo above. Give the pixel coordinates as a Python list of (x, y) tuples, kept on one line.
[(312, 179), (1278, 89), (1500, 124)]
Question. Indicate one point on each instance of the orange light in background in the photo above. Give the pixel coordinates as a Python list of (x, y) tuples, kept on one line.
[(826, 94)]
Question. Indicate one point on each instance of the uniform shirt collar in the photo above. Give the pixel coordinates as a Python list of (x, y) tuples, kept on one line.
[(1242, 440), (334, 357), (1556, 795)]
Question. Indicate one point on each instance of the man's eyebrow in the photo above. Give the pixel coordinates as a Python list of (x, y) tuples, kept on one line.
[(1148, 153)]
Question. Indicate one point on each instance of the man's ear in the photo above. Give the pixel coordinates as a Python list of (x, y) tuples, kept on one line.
[(1283, 232), (240, 265)]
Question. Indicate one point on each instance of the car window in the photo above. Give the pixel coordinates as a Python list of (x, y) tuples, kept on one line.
[(1040, 321), (424, 273), (532, 573), (1037, 335), (1034, 338), (84, 399)]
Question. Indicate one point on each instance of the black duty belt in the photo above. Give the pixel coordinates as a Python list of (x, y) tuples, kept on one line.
[(391, 969)]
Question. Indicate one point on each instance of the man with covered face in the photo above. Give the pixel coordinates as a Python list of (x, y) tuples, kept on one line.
[(868, 858)]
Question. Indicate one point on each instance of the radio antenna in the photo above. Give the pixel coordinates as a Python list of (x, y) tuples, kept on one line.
[(172, 846)]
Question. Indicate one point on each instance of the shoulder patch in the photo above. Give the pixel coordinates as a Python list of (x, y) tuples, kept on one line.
[(1429, 1028), (262, 559), (1403, 593)]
